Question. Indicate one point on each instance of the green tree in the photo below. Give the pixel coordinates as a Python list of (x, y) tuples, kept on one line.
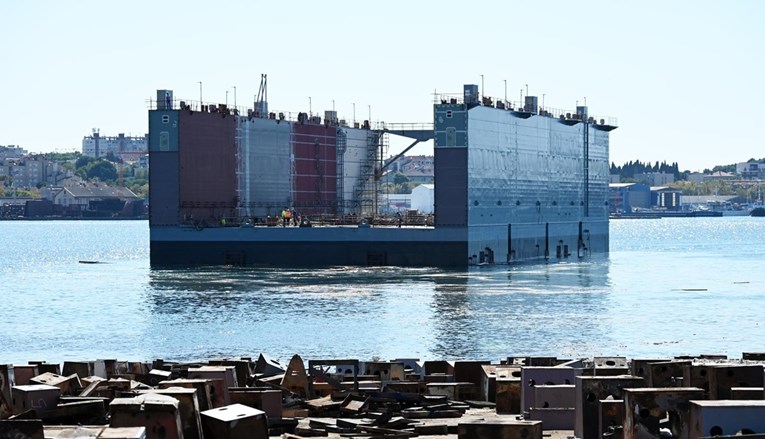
[(83, 161), (63, 156), (101, 170), (110, 156), (400, 178)]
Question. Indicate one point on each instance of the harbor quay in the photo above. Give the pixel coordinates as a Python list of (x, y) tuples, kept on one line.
[(523, 397)]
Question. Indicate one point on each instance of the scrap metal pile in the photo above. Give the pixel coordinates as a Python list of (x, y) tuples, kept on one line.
[(603, 397)]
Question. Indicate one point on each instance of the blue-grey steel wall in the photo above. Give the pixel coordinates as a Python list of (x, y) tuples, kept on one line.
[(534, 186), (163, 131), (163, 165), (163, 188), (450, 165)]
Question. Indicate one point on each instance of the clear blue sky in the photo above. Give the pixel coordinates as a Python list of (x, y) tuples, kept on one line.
[(684, 78)]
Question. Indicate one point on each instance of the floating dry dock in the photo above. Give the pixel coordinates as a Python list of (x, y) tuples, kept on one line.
[(519, 397), (513, 182)]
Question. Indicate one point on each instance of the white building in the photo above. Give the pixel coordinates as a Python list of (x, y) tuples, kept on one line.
[(423, 198), (11, 152), (751, 170), (128, 148), (26, 172)]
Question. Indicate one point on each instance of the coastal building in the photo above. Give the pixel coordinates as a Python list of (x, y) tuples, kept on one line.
[(625, 197), (11, 152), (725, 203), (666, 198), (751, 170), (423, 197), (127, 148), (84, 195), (720, 176), (416, 169), (24, 172), (655, 178)]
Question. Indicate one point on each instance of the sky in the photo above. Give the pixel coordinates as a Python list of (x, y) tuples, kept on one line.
[(685, 79)]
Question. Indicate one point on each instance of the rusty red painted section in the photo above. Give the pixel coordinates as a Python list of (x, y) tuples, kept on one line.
[(315, 178), (207, 159)]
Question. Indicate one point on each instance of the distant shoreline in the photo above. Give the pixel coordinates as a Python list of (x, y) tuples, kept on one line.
[(135, 218)]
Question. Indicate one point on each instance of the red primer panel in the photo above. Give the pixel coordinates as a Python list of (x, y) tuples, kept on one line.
[(315, 179), (207, 153)]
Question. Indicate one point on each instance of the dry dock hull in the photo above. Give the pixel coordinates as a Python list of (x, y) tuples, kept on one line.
[(296, 247), (174, 246)]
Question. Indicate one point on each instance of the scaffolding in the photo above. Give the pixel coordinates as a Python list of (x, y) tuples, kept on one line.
[(342, 144), (367, 189)]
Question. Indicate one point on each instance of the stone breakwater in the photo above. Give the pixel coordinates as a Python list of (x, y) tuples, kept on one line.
[(518, 397)]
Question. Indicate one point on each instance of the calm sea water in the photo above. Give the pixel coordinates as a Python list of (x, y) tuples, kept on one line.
[(668, 287)]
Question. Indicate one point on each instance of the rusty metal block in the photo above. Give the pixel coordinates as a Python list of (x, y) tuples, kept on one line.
[(155, 376), (438, 378), (665, 374), (716, 357), (438, 367), (81, 368), (23, 373), (44, 367), (235, 421), (22, 429), (610, 366), (69, 385), (267, 366), (723, 378), (6, 398), (206, 391), (158, 413), (242, 369), (500, 429), (610, 417), (265, 399), (697, 375), (225, 373), (508, 397), (489, 383), (494, 372), (640, 367), (188, 408), (747, 393), (384, 371), (41, 398), (717, 418), (646, 407), (411, 366), (471, 372), (589, 392), (324, 389), (454, 391), (533, 376), (84, 411), (221, 377), (554, 418)]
